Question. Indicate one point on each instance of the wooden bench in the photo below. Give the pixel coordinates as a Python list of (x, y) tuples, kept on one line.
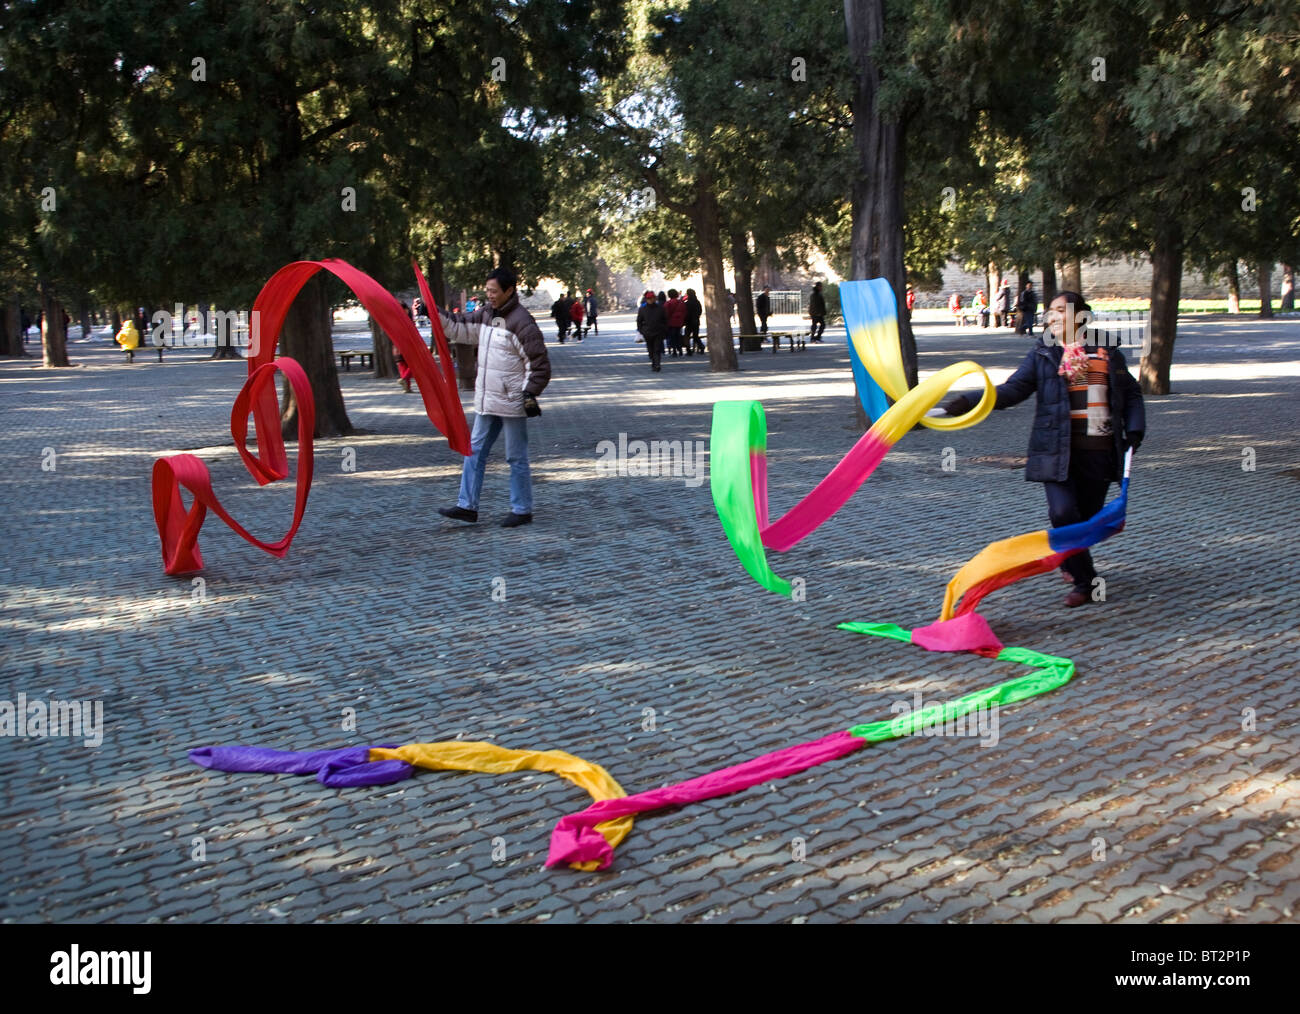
[(754, 342), (130, 353), (367, 359)]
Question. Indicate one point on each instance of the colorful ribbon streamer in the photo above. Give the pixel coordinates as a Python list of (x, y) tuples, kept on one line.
[(575, 838), (587, 840), (178, 529), (738, 466), (382, 765), (738, 476)]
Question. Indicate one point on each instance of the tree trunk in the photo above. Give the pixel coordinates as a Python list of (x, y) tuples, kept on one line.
[(1048, 289), (83, 316), (115, 320), (877, 238), (743, 264), (1265, 289), (13, 329), (1288, 289), (54, 339), (385, 363), (1234, 287), (1071, 276), (466, 365), (1022, 279), (1166, 284), (437, 285), (225, 347), (306, 338), (706, 218)]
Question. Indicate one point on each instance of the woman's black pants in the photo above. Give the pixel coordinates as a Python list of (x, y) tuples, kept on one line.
[(1077, 499)]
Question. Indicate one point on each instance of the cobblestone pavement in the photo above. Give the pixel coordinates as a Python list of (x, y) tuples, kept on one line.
[(1160, 785)]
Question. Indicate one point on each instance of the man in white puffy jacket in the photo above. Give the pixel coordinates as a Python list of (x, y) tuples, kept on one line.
[(513, 369)]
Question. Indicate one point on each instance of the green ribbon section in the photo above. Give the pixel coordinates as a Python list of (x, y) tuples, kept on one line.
[(739, 430), (1051, 673)]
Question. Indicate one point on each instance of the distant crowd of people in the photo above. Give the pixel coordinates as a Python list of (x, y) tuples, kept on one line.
[(670, 318), (1007, 310), (569, 312)]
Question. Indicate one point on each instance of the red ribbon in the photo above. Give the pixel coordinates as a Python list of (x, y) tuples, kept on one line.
[(178, 528)]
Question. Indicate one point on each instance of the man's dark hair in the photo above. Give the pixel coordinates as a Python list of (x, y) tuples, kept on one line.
[(672, 293), (504, 277)]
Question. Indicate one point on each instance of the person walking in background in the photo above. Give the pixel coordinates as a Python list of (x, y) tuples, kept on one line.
[(575, 315), (560, 314), (817, 313), (1027, 306), (128, 337), (513, 369), (763, 307), (404, 372), (653, 325), (675, 317), (693, 313), (910, 300), (954, 307), (731, 302), (1089, 412), (1002, 308), (592, 309)]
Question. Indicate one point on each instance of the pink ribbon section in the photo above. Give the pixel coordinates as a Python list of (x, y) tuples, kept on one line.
[(576, 840)]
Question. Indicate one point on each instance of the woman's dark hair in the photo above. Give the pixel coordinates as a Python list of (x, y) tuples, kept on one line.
[(1073, 299), (504, 277), (660, 297)]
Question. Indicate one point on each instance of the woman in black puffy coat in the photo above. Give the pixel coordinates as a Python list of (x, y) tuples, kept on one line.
[(1088, 412)]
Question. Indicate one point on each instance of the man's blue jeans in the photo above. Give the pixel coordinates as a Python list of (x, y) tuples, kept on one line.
[(486, 430)]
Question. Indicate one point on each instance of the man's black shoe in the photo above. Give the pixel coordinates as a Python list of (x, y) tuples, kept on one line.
[(515, 520), (458, 513)]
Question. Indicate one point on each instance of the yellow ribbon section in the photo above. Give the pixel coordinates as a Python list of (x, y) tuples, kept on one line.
[(488, 758), (993, 559), (881, 354), (910, 407)]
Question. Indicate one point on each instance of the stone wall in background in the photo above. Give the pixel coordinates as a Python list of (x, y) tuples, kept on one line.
[(1119, 278)]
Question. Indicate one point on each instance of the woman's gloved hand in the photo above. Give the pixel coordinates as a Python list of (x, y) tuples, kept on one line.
[(956, 404), (1134, 440)]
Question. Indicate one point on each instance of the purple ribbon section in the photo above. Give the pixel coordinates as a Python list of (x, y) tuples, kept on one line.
[(340, 768)]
